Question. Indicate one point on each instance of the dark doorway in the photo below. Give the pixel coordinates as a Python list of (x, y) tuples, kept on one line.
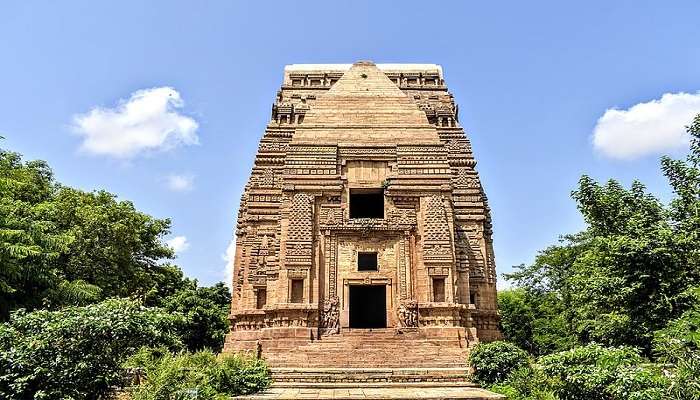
[(367, 306)]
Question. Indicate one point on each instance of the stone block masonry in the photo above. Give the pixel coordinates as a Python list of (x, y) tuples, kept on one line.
[(364, 234)]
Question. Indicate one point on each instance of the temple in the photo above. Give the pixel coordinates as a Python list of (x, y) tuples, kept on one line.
[(363, 234)]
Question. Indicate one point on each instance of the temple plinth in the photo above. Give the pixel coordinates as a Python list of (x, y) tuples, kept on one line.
[(364, 221)]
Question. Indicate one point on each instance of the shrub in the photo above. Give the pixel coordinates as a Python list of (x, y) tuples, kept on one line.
[(76, 352), (176, 376), (638, 383), (525, 383), (596, 372), (493, 362), (679, 344)]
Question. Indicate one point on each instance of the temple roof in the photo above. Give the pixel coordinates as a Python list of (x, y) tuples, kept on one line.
[(386, 68), (364, 108)]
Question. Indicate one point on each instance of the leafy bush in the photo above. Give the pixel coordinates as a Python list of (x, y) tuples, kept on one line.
[(176, 376), (77, 352), (493, 362), (679, 345), (525, 383), (596, 372), (638, 383)]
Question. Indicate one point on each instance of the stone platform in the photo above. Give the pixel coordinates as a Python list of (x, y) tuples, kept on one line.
[(378, 348), (373, 383), (377, 393)]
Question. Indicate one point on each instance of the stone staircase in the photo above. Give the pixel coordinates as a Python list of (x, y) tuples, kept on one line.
[(370, 377), (371, 364), (377, 348)]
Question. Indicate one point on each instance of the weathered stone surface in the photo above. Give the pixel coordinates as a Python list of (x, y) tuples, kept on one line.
[(337, 130), (376, 393)]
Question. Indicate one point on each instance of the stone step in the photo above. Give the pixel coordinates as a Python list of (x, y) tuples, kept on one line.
[(393, 393), (366, 375), (348, 385), (346, 363)]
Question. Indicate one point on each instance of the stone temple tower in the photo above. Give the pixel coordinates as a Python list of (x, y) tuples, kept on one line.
[(363, 219)]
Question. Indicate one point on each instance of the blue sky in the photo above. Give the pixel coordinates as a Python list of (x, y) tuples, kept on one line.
[(532, 80)]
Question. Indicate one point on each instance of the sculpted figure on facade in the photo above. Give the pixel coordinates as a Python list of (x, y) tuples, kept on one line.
[(330, 319), (408, 314)]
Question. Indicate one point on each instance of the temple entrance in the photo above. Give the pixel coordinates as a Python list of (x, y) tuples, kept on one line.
[(367, 306)]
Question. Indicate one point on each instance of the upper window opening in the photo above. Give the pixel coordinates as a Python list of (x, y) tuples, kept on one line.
[(366, 261), (366, 203)]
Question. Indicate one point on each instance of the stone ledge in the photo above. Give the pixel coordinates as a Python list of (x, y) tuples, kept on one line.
[(376, 393)]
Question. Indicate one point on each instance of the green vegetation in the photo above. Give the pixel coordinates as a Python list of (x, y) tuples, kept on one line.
[(76, 352), (205, 312), (494, 362), (85, 281), (612, 312), (178, 376)]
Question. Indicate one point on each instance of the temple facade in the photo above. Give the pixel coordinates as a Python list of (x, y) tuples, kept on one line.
[(364, 214)]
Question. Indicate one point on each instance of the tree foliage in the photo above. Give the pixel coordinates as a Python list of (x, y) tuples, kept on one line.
[(627, 275), (535, 322), (64, 251), (30, 242), (76, 352), (596, 372), (205, 311), (62, 246)]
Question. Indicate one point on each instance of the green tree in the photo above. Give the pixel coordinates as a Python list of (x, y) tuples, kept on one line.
[(30, 241), (205, 311), (627, 274), (77, 352), (115, 247), (535, 321), (62, 246)]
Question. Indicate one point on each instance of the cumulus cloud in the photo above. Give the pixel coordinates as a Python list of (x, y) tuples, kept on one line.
[(228, 257), (180, 182), (147, 121), (178, 244), (647, 128)]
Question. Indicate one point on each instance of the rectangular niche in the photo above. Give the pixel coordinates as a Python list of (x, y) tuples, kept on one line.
[(297, 291), (439, 290), (260, 298), (367, 261), (367, 203)]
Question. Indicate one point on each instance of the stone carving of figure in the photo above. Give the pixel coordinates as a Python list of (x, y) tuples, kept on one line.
[(330, 319), (408, 314)]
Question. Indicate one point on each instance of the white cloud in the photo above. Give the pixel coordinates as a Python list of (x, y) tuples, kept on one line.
[(178, 244), (180, 183), (228, 257), (147, 121), (647, 128)]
